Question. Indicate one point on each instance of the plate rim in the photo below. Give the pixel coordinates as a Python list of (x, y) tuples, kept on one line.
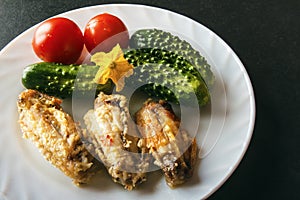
[(252, 114)]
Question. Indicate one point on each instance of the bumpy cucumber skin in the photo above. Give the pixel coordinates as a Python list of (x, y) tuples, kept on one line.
[(155, 38), (167, 76), (59, 80)]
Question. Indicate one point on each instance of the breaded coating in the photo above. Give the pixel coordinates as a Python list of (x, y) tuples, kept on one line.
[(172, 148), (56, 135), (114, 137)]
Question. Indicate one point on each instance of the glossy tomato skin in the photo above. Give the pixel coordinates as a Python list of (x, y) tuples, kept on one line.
[(58, 40), (103, 32)]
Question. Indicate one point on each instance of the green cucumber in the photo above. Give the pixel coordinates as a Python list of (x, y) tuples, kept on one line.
[(155, 38), (166, 75), (162, 74), (59, 80)]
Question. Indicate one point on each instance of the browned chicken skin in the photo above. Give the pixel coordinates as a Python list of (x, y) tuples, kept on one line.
[(173, 150), (113, 136), (43, 121)]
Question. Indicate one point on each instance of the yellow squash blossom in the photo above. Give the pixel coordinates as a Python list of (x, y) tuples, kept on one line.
[(113, 65)]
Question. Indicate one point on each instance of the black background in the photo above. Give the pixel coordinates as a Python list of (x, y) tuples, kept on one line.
[(265, 36)]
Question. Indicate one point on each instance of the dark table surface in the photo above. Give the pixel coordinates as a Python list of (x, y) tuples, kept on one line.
[(265, 36)]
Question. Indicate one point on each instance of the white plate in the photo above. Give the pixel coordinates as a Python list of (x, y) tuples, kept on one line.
[(224, 135)]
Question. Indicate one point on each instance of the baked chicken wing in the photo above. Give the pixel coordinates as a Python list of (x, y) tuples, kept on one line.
[(114, 138), (172, 148), (43, 121)]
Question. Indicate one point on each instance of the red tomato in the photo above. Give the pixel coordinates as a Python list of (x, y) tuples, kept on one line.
[(85, 57), (105, 31), (58, 40)]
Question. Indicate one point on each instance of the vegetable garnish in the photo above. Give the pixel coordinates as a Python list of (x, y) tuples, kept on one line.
[(113, 65)]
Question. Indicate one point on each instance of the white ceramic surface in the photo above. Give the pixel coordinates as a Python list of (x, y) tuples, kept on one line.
[(224, 133)]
